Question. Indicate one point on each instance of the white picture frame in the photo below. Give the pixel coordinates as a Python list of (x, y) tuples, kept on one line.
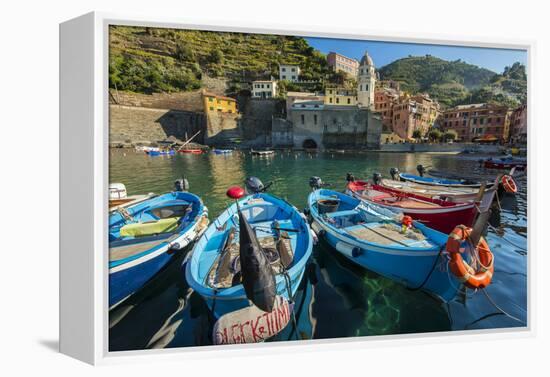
[(84, 163)]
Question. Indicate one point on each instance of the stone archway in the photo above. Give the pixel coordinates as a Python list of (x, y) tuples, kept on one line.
[(309, 144)]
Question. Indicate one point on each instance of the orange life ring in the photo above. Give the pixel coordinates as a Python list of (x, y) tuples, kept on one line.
[(462, 270), (509, 184)]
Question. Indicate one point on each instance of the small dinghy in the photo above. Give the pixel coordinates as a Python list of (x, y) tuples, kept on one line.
[(222, 151), (405, 251), (249, 262), (262, 153), (190, 151), (142, 238), (169, 152), (436, 213)]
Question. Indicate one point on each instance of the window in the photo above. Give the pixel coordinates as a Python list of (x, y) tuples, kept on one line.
[(315, 119), (325, 128), (293, 77), (210, 99), (361, 87), (267, 86), (284, 77), (349, 101), (293, 70), (283, 69), (337, 100), (303, 118), (330, 100), (262, 86), (211, 108), (475, 120)]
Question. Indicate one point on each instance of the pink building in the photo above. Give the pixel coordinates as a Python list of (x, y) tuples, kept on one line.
[(518, 125), (342, 63)]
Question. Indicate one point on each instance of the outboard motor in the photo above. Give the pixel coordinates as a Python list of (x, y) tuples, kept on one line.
[(376, 178), (253, 185), (181, 184), (421, 170), (394, 172), (315, 183), (350, 177)]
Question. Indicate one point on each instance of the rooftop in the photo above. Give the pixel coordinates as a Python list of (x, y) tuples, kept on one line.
[(208, 94)]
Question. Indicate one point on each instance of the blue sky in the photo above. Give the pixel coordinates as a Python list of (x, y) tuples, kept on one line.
[(386, 52)]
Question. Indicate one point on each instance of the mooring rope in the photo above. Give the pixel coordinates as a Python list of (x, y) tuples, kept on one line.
[(500, 309), (429, 273)]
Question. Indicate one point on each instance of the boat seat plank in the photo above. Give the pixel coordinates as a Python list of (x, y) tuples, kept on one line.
[(122, 252), (387, 234)]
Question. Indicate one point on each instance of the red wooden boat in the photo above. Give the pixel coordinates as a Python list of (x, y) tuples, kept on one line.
[(435, 213), (505, 163), (193, 151)]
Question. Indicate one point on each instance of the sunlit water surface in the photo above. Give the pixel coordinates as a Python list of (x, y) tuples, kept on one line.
[(336, 298)]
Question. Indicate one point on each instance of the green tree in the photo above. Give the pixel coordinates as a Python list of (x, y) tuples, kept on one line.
[(183, 52), (434, 134), (216, 56), (450, 135), (417, 134)]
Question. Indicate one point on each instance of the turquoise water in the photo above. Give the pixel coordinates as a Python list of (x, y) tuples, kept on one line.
[(336, 298)]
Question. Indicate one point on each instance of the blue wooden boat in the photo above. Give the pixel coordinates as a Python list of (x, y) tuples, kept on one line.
[(143, 237), (222, 151), (371, 237), (434, 181), (170, 152), (270, 218)]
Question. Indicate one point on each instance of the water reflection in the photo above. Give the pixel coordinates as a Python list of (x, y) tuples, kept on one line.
[(336, 298)]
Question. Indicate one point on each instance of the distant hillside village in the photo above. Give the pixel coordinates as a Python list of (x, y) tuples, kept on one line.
[(357, 111)]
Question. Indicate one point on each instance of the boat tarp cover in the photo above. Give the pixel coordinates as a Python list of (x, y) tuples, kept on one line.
[(149, 228)]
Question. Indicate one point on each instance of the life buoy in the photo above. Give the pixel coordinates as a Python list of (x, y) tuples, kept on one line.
[(462, 270), (509, 184)]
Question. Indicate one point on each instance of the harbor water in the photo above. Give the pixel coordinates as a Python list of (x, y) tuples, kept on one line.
[(336, 298)]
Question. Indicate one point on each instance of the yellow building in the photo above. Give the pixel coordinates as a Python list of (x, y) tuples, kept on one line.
[(214, 103), (340, 97)]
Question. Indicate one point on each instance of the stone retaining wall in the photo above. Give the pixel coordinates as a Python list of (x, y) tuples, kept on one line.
[(131, 125)]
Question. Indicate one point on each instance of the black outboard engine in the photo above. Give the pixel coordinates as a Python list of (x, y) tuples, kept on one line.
[(315, 183), (350, 177), (394, 172), (181, 184), (253, 185), (376, 178), (421, 170)]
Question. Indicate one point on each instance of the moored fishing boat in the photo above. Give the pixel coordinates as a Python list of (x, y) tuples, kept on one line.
[(169, 152), (405, 251), (455, 181), (505, 163), (222, 151), (258, 226), (436, 213), (268, 152), (434, 181), (143, 237), (191, 151)]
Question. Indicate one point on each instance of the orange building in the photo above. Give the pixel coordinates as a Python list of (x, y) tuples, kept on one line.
[(409, 114), (478, 122), (384, 101), (215, 103)]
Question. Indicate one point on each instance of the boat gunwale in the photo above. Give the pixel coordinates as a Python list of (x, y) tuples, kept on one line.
[(237, 292)]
